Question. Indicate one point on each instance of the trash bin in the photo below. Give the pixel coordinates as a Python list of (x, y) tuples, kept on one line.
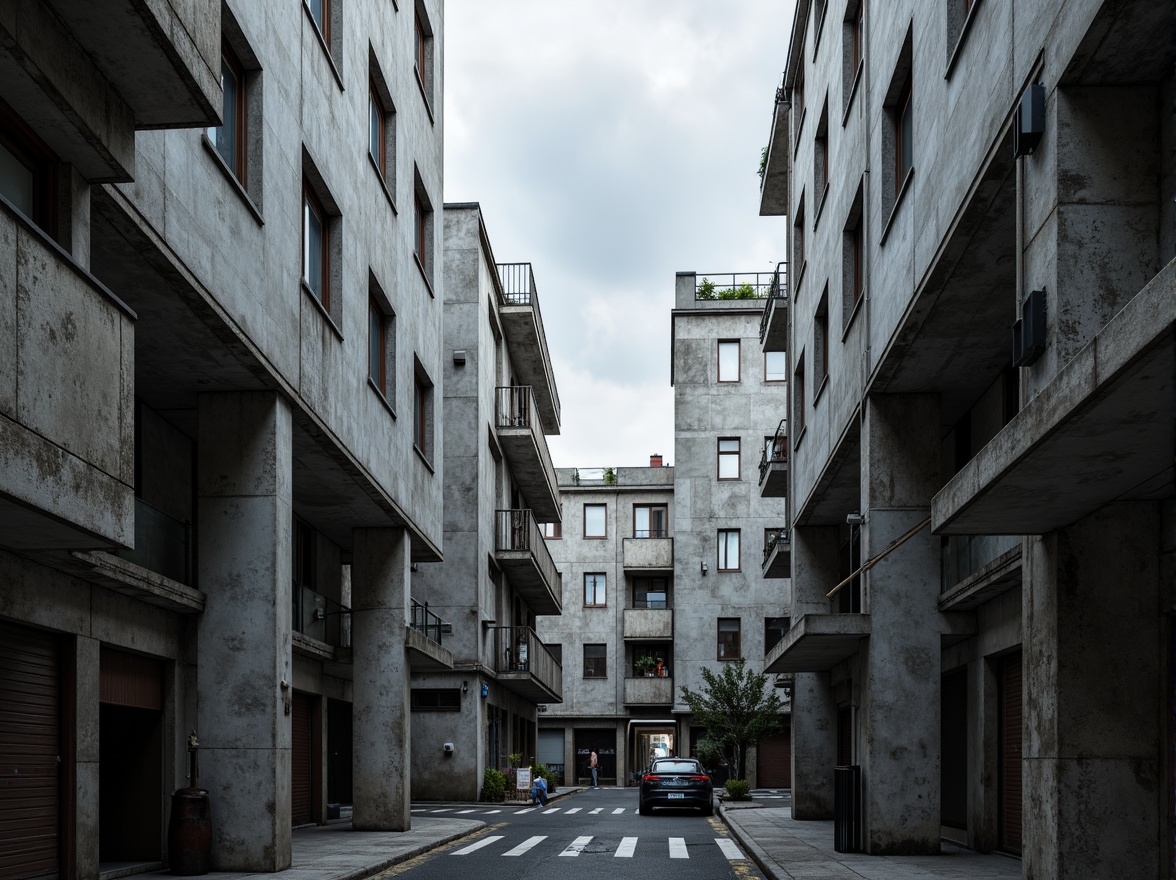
[(847, 808)]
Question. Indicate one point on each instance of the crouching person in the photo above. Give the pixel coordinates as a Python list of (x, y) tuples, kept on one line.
[(539, 791)]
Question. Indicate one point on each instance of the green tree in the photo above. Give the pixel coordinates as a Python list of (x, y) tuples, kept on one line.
[(737, 709)]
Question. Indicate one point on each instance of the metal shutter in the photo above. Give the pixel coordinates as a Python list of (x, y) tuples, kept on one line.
[(773, 763), (1010, 753), (300, 766), (30, 743)]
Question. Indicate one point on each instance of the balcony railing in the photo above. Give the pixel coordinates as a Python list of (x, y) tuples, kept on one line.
[(320, 618), (776, 451), (521, 550), (524, 660), (163, 544), (425, 621), (520, 433), (734, 285), (777, 293), (523, 322), (773, 537), (964, 555)]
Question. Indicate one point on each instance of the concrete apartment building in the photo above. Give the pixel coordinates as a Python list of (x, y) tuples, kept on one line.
[(500, 402), (684, 565), (221, 352), (979, 321)]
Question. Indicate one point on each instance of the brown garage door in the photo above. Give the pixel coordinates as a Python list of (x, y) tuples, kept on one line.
[(30, 725), (1010, 753), (300, 764), (773, 766)]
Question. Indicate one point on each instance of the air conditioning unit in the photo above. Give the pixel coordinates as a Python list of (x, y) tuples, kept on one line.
[(1029, 332), (1029, 124)]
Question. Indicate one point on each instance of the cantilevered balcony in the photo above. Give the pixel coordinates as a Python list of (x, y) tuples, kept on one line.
[(777, 554), (519, 311), (423, 639), (520, 434), (773, 469), (774, 321), (645, 691), (525, 666), (648, 624), (648, 555), (521, 551)]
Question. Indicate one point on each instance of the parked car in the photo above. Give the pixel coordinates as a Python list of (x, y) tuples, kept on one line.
[(676, 782)]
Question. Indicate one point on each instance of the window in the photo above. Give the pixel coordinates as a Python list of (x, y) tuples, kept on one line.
[(551, 530), (904, 155), (422, 245), (594, 594), (651, 593), (849, 598), (381, 343), (229, 137), (435, 699), (728, 549), (775, 366), (959, 22), (821, 163), (320, 11), (27, 170), (381, 127), (649, 520), (376, 131), (316, 255), (853, 245), (729, 360), (819, 9), (422, 413), (327, 16), (853, 42), (798, 101), (595, 661), (775, 628), (798, 255), (898, 132), (798, 401), (729, 458), (423, 54), (595, 521), (729, 641), (821, 343)]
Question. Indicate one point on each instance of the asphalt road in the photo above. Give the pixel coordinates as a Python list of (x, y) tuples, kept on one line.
[(592, 835)]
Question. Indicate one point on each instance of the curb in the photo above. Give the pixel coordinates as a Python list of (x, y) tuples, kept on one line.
[(758, 854), (392, 861)]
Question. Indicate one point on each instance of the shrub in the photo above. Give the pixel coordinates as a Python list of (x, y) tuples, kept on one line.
[(737, 790), (493, 786)]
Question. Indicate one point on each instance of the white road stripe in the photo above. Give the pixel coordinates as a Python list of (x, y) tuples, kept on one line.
[(552, 810), (460, 812), (574, 810), (575, 846), (618, 811), (488, 812), (442, 810), (485, 841), (678, 848), (625, 850), (525, 845), (419, 809), (729, 848), (528, 810), (594, 812)]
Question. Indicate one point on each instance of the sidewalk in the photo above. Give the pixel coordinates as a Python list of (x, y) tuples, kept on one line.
[(789, 850)]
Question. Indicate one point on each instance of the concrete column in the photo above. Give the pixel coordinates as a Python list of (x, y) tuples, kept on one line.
[(86, 732), (569, 754), (900, 687), (1093, 691), (381, 734), (245, 520), (814, 711), (983, 752)]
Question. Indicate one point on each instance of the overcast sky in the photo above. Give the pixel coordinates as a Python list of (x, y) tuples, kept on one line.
[(611, 144)]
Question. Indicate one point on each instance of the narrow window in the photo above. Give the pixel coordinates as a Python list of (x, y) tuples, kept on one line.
[(904, 153), (377, 353), (423, 53), (27, 170), (775, 366), (728, 550), (821, 342), (594, 595), (595, 661), (898, 144), (423, 414), (229, 137), (798, 254), (377, 124), (320, 11), (775, 628), (729, 360), (821, 163), (649, 521), (423, 230), (729, 458), (798, 397), (853, 243), (315, 248), (595, 521), (551, 530), (730, 647)]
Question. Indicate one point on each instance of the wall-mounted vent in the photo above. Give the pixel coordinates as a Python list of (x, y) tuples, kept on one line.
[(1029, 332), (1029, 124)]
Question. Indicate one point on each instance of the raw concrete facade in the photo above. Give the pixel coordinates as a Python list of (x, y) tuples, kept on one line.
[(212, 489), (982, 545), (500, 487), (712, 605)]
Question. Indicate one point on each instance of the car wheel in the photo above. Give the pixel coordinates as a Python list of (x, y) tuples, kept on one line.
[(643, 809), (709, 809)]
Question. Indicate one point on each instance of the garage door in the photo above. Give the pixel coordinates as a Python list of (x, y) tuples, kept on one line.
[(773, 765), (30, 725), (300, 764), (1010, 753)]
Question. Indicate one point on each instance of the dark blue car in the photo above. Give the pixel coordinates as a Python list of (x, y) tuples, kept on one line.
[(678, 783)]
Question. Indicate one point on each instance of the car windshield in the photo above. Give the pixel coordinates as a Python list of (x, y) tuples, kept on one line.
[(676, 767)]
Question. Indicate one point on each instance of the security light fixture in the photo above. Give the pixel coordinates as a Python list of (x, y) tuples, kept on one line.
[(1029, 121), (854, 519), (704, 568)]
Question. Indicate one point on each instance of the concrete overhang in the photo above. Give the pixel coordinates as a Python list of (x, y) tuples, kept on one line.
[(531, 468), (774, 324), (818, 642), (778, 560), (1103, 430), (837, 489), (774, 180), (424, 654)]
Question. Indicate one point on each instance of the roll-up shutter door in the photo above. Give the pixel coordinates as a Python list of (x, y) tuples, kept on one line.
[(773, 764), (551, 748), (300, 766), (30, 743), (1010, 753)]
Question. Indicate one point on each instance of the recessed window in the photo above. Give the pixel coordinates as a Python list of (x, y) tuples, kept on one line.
[(650, 521), (729, 360), (422, 245), (377, 126), (904, 151), (821, 342), (423, 53), (728, 550), (594, 593), (798, 397), (798, 254), (595, 661), (798, 102), (730, 643), (435, 699), (898, 147), (381, 126), (551, 530), (422, 413), (595, 521), (381, 343), (853, 244), (821, 162), (853, 43), (775, 366), (775, 628), (316, 253), (651, 593), (27, 170), (959, 20), (320, 11), (229, 137), (729, 458)]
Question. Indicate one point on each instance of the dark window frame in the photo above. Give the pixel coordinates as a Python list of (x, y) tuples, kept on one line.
[(604, 534), (728, 648), (738, 362), (599, 664), (726, 455), (663, 532), (599, 589), (724, 550)]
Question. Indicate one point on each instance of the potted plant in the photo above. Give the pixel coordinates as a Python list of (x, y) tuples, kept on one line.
[(644, 665)]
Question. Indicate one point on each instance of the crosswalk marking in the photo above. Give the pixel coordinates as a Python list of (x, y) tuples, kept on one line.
[(618, 811), (485, 841), (573, 810), (463, 812), (576, 846), (418, 809), (552, 810), (594, 812), (442, 810), (730, 850), (625, 850), (528, 810), (488, 812), (525, 845), (678, 848)]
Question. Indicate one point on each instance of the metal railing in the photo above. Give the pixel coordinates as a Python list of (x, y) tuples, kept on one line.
[(651, 533), (514, 406), (518, 530), (518, 283), (777, 291), (518, 649), (425, 621), (661, 604), (775, 452), (734, 285), (163, 544), (314, 615), (963, 555), (773, 537)]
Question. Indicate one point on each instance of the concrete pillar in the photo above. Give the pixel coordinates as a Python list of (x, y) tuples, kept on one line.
[(86, 730), (381, 733), (245, 520), (570, 754), (899, 713), (814, 710), (1093, 691), (983, 752)]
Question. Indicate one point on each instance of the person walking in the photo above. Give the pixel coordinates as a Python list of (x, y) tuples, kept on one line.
[(593, 763)]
